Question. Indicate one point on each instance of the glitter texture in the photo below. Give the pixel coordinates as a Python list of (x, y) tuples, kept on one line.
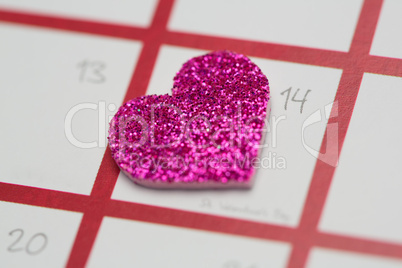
[(206, 135)]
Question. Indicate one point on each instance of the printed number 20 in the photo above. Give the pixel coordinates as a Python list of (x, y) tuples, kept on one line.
[(35, 245)]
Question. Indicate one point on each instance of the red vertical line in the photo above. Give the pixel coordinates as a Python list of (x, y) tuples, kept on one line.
[(345, 99), (92, 218), (108, 171)]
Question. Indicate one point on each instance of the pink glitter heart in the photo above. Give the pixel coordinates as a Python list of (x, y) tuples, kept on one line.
[(206, 135)]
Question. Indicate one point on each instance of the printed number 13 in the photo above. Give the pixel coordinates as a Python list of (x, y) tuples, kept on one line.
[(91, 71)]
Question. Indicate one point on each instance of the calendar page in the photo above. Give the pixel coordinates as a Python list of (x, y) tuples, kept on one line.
[(328, 189)]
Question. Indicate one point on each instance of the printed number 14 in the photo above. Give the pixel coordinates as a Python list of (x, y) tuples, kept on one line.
[(302, 101)]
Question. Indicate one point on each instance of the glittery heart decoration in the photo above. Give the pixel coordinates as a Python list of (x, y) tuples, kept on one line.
[(206, 135)]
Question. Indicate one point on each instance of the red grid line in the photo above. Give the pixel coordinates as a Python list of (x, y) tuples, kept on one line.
[(354, 63), (303, 55), (90, 223), (346, 97), (108, 172), (74, 25), (199, 221), (42, 197), (360, 245)]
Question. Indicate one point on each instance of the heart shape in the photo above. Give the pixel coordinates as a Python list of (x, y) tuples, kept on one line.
[(207, 134)]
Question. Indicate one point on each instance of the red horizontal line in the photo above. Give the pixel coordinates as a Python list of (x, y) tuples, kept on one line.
[(132, 211), (303, 55), (254, 48), (74, 25), (199, 221), (383, 65), (219, 224), (43, 197), (360, 245), (311, 56)]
